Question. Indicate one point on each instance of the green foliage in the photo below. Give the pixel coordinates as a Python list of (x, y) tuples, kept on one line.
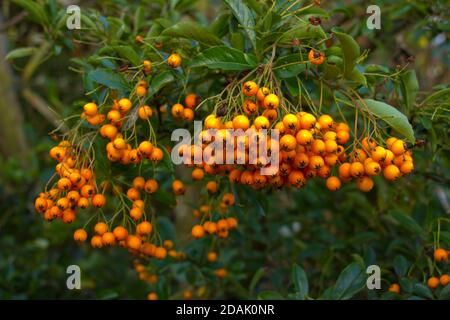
[(303, 244)]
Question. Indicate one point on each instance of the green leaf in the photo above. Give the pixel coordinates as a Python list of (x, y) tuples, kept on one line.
[(351, 280), (219, 26), (301, 31), (110, 79), (270, 295), (409, 87), (394, 118), (406, 285), (35, 11), (422, 291), (20, 53), (445, 293), (300, 281), (407, 222), (437, 95), (289, 66), (160, 81), (256, 277), (350, 50), (224, 58), (193, 31), (357, 77), (400, 265), (245, 17), (128, 53), (331, 71)]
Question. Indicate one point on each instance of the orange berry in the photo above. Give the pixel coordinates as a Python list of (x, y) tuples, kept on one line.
[(440, 255), (212, 256), (212, 187), (333, 183), (316, 57), (156, 155), (250, 88), (178, 187), (80, 235), (100, 228), (152, 296), (83, 203), (90, 109), (96, 241), (125, 105), (356, 169), (98, 200), (433, 282), (151, 186), (394, 288), (271, 101), (288, 142), (444, 280), (108, 239), (145, 148), (145, 112), (144, 228), (160, 253), (262, 93), (391, 172), (134, 242), (198, 174), (133, 194), (198, 231), (136, 213), (141, 91), (174, 60), (191, 100), (177, 110), (228, 199), (372, 168), (120, 233), (365, 184), (241, 122)]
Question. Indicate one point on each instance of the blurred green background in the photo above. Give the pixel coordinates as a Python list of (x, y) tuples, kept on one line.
[(34, 254)]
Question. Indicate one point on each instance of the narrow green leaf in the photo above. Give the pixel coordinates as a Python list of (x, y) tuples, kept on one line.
[(394, 118), (20, 53), (35, 11), (445, 293), (256, 277), (300, 281), (128, 53), (407, 222), (245, 17), (351, 280), (409, 87), (109, 79), (289, 66), (400, 265), (270, 295), (422, 291), (193, 31), (437, 95), (224, 58), (357, 77), (301, 31), (350, 50), (219, 26), (159, 81)]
